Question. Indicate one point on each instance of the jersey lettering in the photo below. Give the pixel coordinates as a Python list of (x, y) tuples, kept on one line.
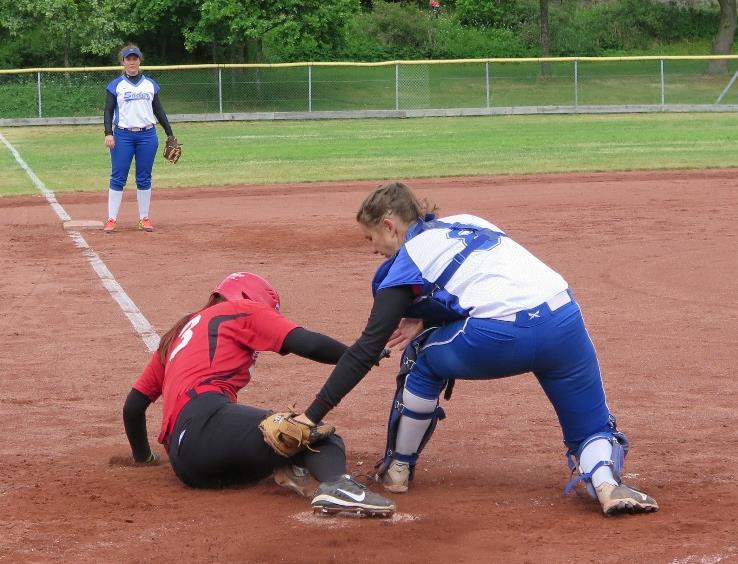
[(185, 335)]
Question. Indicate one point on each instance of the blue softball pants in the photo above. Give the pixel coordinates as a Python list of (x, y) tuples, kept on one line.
[(555, 346), (129, 144)]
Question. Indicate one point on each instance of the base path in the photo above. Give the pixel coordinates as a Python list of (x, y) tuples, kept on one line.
[(650, 256)]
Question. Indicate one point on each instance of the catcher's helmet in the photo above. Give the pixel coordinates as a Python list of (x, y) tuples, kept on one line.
[(240, 285)]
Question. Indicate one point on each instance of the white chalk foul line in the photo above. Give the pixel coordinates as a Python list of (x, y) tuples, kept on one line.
[(127, 306)]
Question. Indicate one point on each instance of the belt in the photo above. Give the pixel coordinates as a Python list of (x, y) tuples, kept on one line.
[(136, 129), (559, 300)]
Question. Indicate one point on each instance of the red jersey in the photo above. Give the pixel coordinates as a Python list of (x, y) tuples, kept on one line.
[(216, 347)]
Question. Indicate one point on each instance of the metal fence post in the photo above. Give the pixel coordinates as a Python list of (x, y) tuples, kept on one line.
[(397, 86), (663, 93), (486, 80), (727, 87), (220, 90), (38, 92), (310, 87), (576, 84)]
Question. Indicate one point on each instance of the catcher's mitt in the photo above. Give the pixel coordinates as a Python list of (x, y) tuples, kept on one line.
[(172, 149), (288, 436)]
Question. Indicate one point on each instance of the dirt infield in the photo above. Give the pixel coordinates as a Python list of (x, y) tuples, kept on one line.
[(652, 258)]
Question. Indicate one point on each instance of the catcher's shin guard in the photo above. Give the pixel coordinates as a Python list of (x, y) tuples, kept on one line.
[(398, 410), (615, 462)]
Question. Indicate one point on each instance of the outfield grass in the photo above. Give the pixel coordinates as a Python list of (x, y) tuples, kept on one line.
[(73, 158)]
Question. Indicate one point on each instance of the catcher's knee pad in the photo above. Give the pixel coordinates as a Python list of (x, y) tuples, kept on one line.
[(620, 446), (399, 409)]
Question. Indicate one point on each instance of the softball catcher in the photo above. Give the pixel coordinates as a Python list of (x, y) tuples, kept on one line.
[(498, 311)]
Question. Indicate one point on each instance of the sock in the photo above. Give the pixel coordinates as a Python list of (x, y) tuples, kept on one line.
[(411, 431), (326, 465), (115, 197), (144, 202), (594, 452)]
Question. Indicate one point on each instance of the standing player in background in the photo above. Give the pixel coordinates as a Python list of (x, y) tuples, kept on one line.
[(212, 441), (501, 312), (132, 109)]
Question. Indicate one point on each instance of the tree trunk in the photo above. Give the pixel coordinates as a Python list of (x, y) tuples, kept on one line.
[(546, 38), (255, 54), (255, 50), (722, 44)]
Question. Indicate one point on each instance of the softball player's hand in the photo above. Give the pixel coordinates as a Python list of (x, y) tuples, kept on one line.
[(406, 331), (128, 460), (109, 141)]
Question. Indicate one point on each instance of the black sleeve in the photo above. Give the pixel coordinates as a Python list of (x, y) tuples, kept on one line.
[(110, 102), (433, 313), (161, 115), (314, 346), (134, 420), (389, 307)]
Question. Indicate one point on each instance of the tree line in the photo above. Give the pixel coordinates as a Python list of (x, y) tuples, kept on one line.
[(91, 32)]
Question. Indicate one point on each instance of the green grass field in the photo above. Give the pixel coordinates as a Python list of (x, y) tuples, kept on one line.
[(71, 158)]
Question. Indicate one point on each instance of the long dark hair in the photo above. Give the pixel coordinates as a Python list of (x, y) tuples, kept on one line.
[(166, 341)]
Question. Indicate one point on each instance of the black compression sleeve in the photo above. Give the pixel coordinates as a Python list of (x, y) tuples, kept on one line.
[(314, 346), (389, 307), (161, 115), (110, 102), (134, 420)]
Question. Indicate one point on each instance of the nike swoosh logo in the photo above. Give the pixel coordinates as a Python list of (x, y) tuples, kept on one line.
[(353, 495)]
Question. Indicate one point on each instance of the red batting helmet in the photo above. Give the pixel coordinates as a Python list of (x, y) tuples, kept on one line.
[(240, 285)]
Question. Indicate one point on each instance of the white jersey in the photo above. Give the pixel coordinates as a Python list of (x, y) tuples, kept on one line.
[(134, 102), (499, 279)]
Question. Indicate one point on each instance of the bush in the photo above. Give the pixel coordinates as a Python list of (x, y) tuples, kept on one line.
[(456, 42), (393, 31), (619, 26), (501, 14)]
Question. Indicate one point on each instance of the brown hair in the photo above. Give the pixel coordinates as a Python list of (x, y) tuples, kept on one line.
[(394, 198), (166, 341)]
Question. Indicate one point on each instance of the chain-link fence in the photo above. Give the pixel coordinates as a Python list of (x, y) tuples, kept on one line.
[(485, 85)]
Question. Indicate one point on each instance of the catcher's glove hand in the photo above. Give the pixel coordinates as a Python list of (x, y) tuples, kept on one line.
[(288, 436), (172, 149)]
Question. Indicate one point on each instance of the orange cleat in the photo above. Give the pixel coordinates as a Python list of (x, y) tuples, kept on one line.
[(145, 225), (109, 226)]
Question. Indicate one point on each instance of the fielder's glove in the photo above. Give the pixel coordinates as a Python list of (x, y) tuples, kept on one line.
[(287, 436), (172, 149)]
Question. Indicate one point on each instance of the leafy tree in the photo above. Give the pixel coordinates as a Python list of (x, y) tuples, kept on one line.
[(307, 26), (158, 26), (69, 29)]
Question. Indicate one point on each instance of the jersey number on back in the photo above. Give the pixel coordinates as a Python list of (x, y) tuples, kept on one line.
[(185, 335), (469, 235)]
